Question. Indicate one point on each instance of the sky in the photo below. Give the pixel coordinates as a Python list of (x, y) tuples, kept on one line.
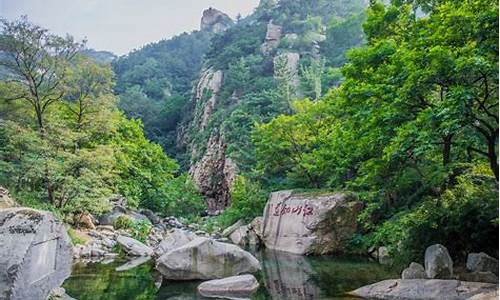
[(120, 26)]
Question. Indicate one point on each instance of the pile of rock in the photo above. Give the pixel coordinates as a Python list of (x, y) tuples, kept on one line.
[(437, 279)]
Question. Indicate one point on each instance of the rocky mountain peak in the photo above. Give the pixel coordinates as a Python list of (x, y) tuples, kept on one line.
[(215, 21)]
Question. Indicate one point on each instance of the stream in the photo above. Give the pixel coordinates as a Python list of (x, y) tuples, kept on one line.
[(283, 276)]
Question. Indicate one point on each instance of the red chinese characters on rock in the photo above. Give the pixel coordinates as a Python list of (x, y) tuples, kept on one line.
[(282, 209)]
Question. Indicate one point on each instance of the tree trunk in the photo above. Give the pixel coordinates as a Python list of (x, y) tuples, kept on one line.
[(447, 149), (492, 155)]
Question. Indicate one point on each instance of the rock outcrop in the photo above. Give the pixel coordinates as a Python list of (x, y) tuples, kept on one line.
[(215, 21), (273, 37), (438, 262), (204, 258), (214, 174), (308, 223), (234, 287), (35, 254), (423, 289)]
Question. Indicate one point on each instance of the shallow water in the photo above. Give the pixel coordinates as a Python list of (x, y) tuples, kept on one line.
[(283, 276)]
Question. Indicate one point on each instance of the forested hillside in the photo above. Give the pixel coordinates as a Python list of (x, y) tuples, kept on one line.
[(154, 83)]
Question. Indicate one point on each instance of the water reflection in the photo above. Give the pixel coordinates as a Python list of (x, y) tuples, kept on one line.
[(288, 276), (283, 276)]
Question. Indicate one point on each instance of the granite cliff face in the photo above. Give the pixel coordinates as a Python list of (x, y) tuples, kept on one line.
[(215, 21), (251, 73)]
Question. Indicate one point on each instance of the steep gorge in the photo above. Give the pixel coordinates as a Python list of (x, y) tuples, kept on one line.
[(246, 72)]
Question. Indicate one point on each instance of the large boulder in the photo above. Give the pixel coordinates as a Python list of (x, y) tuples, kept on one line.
[(234, 287), (438, 262), (309, 223), (273, 37), (423, 289), (227, 232), (133, 247), (35, 254), (204, 258), (482, 262), (414, 271), (175, 238), (479, 277)]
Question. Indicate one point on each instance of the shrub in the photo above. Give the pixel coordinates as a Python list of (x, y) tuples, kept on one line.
[(123, 222), (248, 201), (141, 229)]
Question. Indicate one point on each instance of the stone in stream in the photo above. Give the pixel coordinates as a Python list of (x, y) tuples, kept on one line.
[(438, 262), (240, 236), (174, 239), (204, 258), (414, 271), (227, 232), (133, 263), (134, 247), (423, 289), (234, 287), (309, 223), (482, 262), (35, 254)]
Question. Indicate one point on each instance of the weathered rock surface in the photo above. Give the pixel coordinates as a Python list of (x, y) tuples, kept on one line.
[(175, 238), (35, 254), (205, 258), (423, 289), (288, 62), (134, 247), (215, 164), (240, 236), (479, 277), (438, 262), (273, 36), (242, 286), (227, 232), (414, 271), (492, 295), (482, 262), (309, 224), (215, 21)]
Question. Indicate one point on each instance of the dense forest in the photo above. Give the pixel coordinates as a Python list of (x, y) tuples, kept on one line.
[(396, 103)]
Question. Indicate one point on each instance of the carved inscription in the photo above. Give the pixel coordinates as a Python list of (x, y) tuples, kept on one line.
[(282, 209)]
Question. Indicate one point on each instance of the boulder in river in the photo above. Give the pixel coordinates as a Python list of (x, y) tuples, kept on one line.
[(240, 236), (133, 247), (35, 254), (423, 289), (204, 258), (227, 232), (174, 239), (234, 287), (438, 262), (309, 223), (482, 262)]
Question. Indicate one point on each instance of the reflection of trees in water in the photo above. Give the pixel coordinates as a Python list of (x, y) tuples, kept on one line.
[(95, 281), (335, 276), (288, 276)]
